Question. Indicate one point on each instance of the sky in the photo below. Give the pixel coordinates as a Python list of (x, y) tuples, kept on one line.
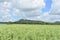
[(41, 10)]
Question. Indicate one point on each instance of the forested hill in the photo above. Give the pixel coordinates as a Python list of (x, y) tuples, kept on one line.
[(29, 21), (25, 21)]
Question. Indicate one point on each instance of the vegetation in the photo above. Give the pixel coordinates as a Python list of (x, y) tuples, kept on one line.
[(23, 21), (29, 32)]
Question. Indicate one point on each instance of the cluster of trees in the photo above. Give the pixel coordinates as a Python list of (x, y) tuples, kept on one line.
[(23, 21)]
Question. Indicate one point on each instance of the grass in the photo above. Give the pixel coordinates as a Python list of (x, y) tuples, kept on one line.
[(29, 32)]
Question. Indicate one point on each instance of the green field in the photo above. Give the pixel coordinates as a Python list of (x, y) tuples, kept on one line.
[(29, 32)]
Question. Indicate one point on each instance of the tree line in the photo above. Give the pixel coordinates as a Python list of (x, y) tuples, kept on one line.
[(23, 21)]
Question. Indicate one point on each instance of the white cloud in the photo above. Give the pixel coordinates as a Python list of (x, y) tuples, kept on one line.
[(29, 4), (50, 16), (54, 13), (55, 10), (23, 8), (5, 11), (29, 8), (46, 17)]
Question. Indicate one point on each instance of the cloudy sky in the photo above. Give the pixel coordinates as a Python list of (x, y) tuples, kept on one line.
[(45, 10)]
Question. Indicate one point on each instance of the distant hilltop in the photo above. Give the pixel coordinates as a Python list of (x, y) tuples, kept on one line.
[(25, 21)]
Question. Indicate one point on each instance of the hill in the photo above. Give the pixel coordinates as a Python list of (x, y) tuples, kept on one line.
[(25, 21)]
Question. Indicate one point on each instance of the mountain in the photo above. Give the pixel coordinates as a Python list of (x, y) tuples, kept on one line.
[(25, 21), (57, 22)]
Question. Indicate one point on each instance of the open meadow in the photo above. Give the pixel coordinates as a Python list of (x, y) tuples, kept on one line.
[(29, 32)]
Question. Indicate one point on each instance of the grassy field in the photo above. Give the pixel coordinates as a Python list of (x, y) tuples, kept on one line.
[(29, 32)]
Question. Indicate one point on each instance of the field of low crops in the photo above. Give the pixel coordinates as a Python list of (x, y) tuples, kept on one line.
[(29, 32)]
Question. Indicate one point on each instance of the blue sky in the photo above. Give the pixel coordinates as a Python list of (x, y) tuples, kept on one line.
[(42, 10), (48, 5)]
